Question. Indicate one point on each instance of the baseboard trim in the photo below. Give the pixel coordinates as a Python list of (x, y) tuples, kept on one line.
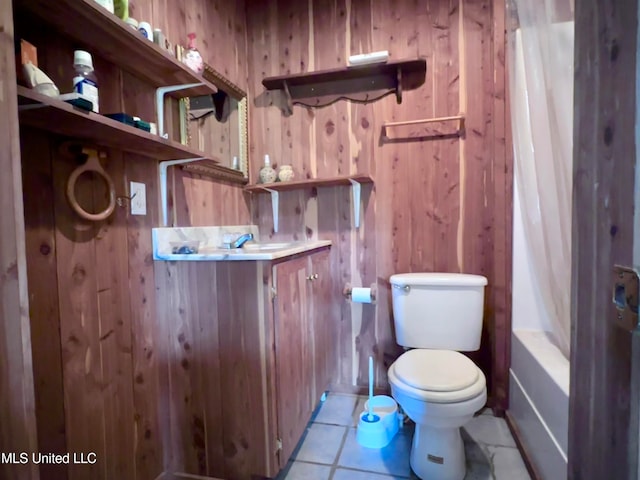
[(526, 457)]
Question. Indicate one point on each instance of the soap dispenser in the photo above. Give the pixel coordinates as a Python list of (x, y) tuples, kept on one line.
[(192, 57), (267, 173)]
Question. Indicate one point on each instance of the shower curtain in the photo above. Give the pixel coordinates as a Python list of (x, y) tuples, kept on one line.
[(540, 47)]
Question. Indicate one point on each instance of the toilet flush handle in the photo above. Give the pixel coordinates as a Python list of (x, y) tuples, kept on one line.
[(406, 288)]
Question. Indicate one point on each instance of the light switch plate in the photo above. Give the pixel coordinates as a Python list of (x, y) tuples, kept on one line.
[(138, 198)]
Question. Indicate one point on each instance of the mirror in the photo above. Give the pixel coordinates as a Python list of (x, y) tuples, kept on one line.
[(218, 124)]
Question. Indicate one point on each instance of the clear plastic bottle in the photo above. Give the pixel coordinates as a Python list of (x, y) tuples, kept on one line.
[(85, 81)]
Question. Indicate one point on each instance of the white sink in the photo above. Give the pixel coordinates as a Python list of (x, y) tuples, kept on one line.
[(262, 247)]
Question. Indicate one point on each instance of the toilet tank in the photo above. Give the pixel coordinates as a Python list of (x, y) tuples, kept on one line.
[(438, 310)]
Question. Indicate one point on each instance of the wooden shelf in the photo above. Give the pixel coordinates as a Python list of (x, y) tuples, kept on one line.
[(354, 181), (314, 182), (105, 35), (433, 127), (52, 115), (362, 83), (211, 169)]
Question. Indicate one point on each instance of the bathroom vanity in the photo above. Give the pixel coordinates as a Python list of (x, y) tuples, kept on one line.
[(248, 358)]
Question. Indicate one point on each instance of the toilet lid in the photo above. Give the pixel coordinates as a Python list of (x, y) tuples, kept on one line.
[(436, 370)]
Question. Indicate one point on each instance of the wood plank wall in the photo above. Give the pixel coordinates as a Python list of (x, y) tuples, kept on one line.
[(101, 360), (437, 204), (17, 401)]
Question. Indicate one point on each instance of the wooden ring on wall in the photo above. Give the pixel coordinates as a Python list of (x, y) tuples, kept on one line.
[(91, 165)]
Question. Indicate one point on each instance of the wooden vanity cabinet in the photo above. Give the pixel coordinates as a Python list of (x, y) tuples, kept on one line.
[(249, 354), (302, 289)]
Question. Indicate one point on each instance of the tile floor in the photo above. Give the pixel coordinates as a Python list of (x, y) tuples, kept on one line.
[(329, 450)]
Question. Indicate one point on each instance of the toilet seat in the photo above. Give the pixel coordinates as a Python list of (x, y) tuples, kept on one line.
[(439, 376)]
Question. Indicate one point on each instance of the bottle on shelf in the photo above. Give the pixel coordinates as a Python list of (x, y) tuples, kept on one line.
[(85, 81), (267, 173)]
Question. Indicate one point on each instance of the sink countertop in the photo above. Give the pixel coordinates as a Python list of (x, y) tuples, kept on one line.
[(217, 254), (209, 249)]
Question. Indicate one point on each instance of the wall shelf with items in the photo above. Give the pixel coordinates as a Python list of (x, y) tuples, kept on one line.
[(56, 116), (363, 83), (309, 183), (105, 35), (275, 188)]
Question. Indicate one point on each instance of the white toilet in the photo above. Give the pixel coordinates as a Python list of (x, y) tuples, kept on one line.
[(438, 315)]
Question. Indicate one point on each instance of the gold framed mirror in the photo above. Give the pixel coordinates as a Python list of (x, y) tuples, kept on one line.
[(218, 124)]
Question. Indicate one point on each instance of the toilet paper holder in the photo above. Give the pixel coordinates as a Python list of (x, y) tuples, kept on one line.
[(348, 288)]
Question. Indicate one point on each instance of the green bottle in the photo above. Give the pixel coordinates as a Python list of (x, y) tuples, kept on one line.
[(122, 8)]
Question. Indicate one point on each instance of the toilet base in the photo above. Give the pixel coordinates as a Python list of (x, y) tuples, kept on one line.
[(437, 453)]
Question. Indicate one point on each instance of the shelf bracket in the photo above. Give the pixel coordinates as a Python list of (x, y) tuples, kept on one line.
[(287, 95), (356, 189), (160, 93), (162, 173), (275, 201)]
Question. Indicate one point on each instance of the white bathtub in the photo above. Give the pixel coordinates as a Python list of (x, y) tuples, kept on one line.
[(539, 400), (539, 373)]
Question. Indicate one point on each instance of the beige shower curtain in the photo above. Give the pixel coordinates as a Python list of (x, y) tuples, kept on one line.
[(541, 95)]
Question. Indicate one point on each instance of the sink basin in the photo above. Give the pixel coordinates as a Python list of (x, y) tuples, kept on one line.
[(262, 247)]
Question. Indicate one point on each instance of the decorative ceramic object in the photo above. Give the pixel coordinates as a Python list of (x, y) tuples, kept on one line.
[(285, 173), (267, 173), (192, 57)]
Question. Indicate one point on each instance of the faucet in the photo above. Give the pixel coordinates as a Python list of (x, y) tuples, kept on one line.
[(240, 241)]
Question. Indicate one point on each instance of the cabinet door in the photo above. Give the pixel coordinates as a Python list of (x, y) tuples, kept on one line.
[(294, 360), (321, 323)]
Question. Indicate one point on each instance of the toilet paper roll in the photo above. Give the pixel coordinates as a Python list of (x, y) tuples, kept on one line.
[(361, 295)]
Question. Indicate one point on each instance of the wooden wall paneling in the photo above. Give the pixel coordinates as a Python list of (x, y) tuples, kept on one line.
[(503, 207), (429, 155), (197, 361), (17, 403), (603, 439), (179, 310), (80, 324), (142, 10), (149, 343), (208, 428), (165, 275), (293, 31), (477, 236), (114, 316), (436, 208), (138, 99), (449, 193), (43, 299), (330, 154), (188, 322), (265, 116), (392, 207), (242, 367), (162, 17), (360, 157)]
